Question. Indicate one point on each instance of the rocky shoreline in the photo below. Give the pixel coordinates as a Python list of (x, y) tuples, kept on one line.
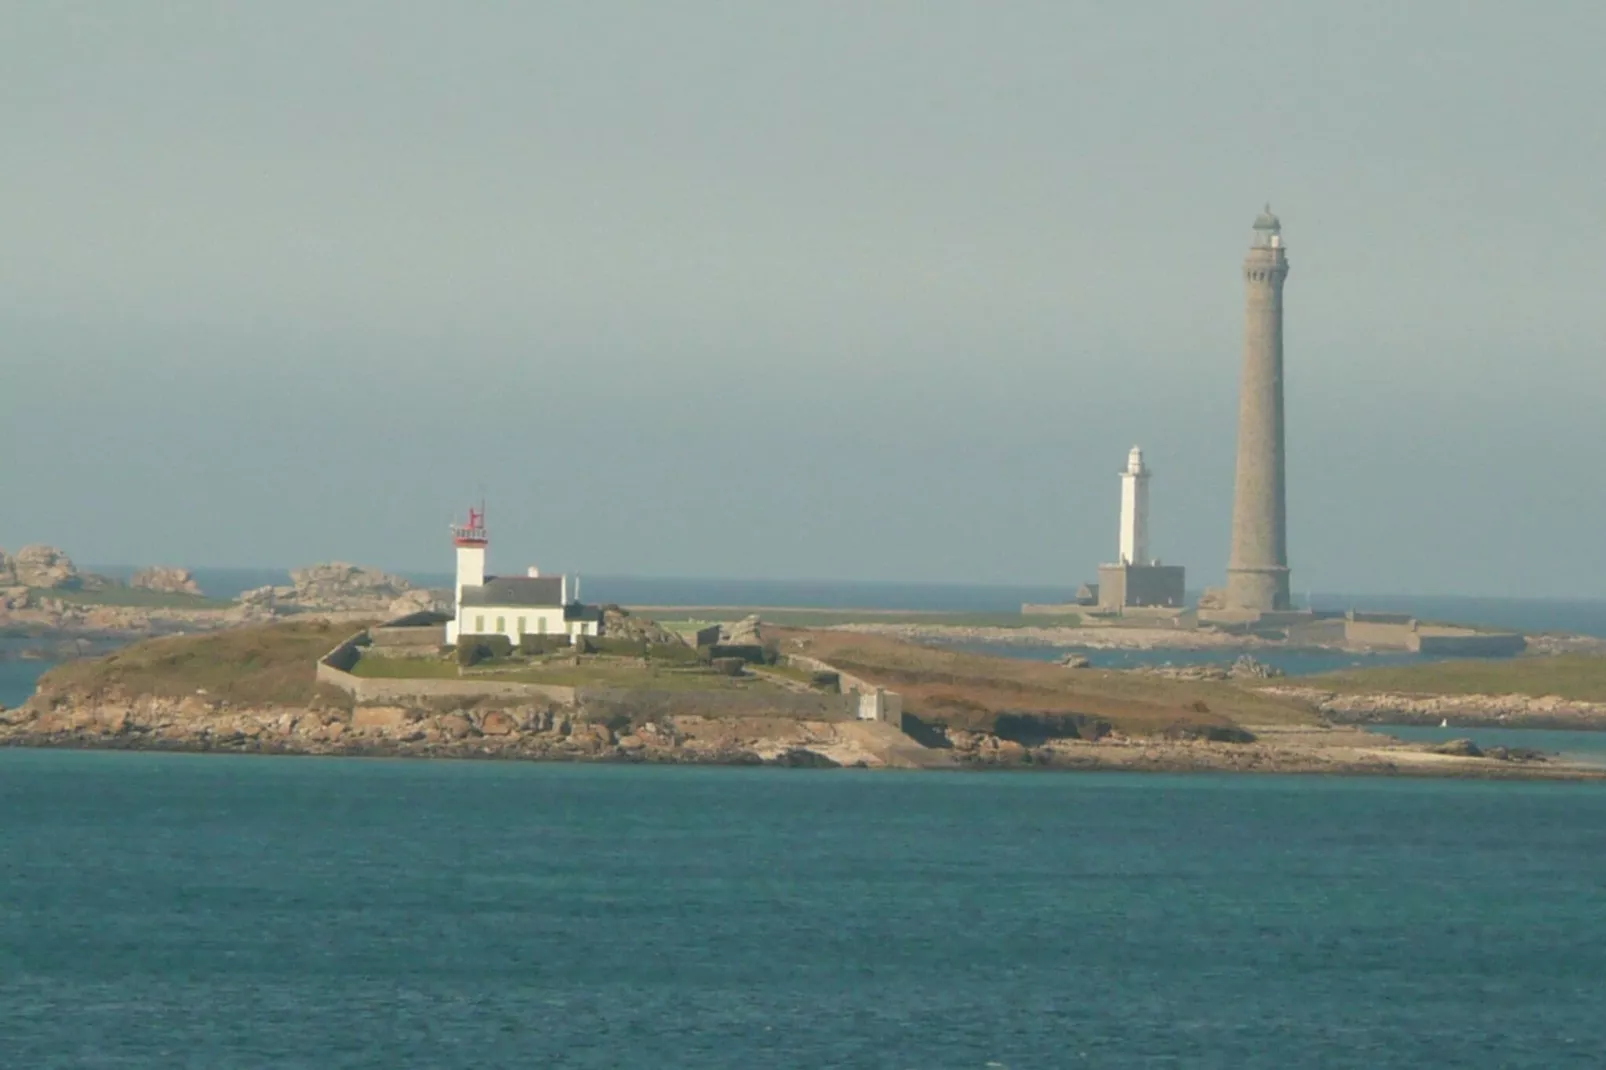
[(544, 733), (1463, 711)]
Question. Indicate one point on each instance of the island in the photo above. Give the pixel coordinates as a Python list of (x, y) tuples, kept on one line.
[(740, 692)]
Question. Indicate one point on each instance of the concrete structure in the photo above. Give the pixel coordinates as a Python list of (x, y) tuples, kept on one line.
[(514, 606), (1135, 586), (1136, 579), (1134, 511), (1257, 572)]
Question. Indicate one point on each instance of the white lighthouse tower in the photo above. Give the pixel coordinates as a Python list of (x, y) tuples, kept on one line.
[(471, 541), (1135, 511)]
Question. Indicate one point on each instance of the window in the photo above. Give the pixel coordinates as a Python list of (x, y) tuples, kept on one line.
[(501, 625), (521, 626), (541, 620), (479, 625)]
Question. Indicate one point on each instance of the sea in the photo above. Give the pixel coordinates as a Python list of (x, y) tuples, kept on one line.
[(163, 911), (1579, 616)]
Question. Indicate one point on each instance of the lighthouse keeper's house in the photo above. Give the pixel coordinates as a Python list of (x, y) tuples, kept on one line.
[(514, 606)]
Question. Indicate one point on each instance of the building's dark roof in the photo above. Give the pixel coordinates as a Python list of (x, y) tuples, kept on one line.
[(516, 591), (576, 611)]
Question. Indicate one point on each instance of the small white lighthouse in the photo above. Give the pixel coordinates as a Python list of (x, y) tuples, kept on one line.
[(471, 541), (1135, 511)]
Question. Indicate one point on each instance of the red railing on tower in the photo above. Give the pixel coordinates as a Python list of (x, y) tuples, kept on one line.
[(472, 533)]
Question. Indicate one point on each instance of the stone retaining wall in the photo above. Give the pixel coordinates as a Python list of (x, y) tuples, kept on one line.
[(872, 703), (333, 669)]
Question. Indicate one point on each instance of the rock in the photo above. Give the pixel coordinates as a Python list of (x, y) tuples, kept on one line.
[(746, 632), (166, 579), (418, 600), (339, 587), (454, 726), (39, 566), (1246, 667), (960, 739), (1460, 748), (1009, 751), (618, 623), (803, 758), (497, 723), (1076, 661), (384, 718)]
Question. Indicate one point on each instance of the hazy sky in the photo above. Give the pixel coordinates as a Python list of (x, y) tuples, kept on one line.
[(828, 289)]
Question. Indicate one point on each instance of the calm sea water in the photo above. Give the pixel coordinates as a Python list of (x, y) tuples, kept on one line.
[(171, 911), (1580, 746), (17, 679)]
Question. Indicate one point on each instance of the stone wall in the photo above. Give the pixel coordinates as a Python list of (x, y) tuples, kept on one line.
[(1386, 635), (872, 703), (1468, 644), (416, 638), (1121, 586), (334, 669), (651, 704)]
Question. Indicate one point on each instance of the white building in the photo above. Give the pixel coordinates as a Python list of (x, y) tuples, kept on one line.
[(1135, 511), (514, 606)]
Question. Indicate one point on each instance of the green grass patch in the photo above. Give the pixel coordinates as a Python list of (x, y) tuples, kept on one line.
[(1580, 677), (269, 665), (132, 597), (379, 667), (591, 672)]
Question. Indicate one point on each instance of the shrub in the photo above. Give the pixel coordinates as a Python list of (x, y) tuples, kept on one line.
[(674, 653), (473, 649), (624, 648), (542, 644)]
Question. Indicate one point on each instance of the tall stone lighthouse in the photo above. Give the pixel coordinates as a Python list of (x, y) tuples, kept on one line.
[(1257, 574)]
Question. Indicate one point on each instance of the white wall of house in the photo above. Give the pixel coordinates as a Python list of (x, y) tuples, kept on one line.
[(515, 622)]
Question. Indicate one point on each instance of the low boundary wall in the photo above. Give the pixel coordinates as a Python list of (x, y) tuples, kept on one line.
[(334, 668), (874, 703)]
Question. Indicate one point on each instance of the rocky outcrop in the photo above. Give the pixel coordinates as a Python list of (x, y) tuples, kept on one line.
[(165, 579), (529, 731), (618, 623), (338, 587), (746, 632), (1463, 711), (1245, 668), (39, 566)]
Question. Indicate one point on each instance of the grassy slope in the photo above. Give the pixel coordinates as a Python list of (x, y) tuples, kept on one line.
[(828, 618), (591, 673), (264, 665), (968, 690), (133, 597), (1573, 676)]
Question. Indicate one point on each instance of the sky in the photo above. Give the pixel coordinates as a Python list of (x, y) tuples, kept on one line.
[(831, 290)]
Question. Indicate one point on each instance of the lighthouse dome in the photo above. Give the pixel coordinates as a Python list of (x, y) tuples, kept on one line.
[(1266, 221)]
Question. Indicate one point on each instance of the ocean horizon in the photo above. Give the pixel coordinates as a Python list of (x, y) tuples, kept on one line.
[(1582, 616)]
